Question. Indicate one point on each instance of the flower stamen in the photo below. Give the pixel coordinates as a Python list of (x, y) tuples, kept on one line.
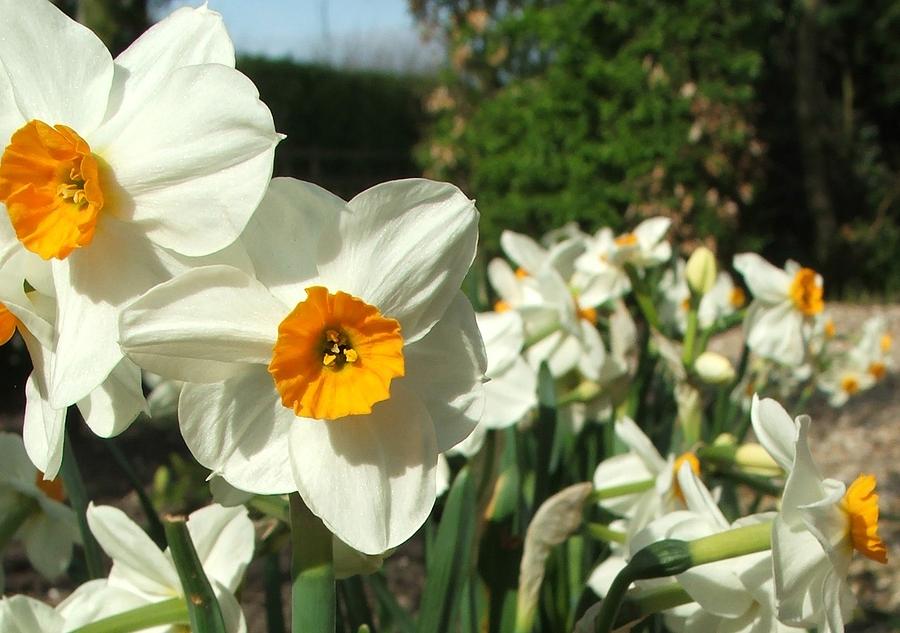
[(806, 292)]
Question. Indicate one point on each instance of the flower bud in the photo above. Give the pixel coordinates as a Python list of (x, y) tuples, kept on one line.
[(753, 458), (714, 369), (700, 271)]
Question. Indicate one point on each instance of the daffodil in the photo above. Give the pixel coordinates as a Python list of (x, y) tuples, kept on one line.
[(778, 321), (118, 171), (142, 574), (344, 367), (48, 528), (821, 523), (21, 614)]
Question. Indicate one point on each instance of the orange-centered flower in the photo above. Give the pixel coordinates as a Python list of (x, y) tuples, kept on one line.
[(521, 273), (806, 292), (886, 343), (861, 505), (626, 239), (501, 306), (335, 356), (8, 324), (53, 488), (691, 459), (50, 185)]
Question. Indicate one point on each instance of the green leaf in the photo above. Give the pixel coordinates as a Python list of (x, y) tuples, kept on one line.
[(449, 564)]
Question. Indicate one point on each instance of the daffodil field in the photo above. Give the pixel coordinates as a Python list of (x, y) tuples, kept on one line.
[(552, 427)]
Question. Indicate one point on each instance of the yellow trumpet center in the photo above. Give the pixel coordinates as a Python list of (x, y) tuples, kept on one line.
[(521, 273), (501, 306), (626, 239), (8, 323), (53, 488), (50, 184), (806, 292), (886, 343), (861, 505), (830, 329), (335, 356), (737, 298), (691, 459)]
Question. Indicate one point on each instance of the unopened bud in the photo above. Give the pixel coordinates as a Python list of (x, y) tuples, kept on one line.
[(753, 458), (714, 369), (700, 271)]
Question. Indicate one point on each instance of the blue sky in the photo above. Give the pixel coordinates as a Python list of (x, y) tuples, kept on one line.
[(355, 33)]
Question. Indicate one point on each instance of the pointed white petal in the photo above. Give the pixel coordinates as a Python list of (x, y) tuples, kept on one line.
[(504, 337), (206, 325), (112, 407), (766, 282), (775, 430), (523, 251), (21, 614), (637, 441), (508, 397), (59, 70), (370, 478), (223, 538), (239, 429)]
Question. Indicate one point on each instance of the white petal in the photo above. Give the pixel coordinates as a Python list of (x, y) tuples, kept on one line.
[(637, 441), (231, 610), (225, 494), (206, 325), (698, 498), (804, 484), (239, 429), (801, 570), (284, 234), (504, 336), (446, 370), (137, 562), (223, 538), (619, 470), (404, 249), (766, 282), (95, 600), (504, 282), (775, 430), (593, 355), (60, 71), (561, 351), (523, 251), (21, 614), (509, 396), (651, 231), (602, 577), (192, 165), (92, 284), (184, 38), (775, 332), (44, 425), (370, 478), (112, 407)]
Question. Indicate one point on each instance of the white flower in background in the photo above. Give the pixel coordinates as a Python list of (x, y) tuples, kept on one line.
[(606, 256), (641, 464), (118, 170), (142, 574), (784, 303), (51, 529), (21, 614), (512, 390), (344, 367), (847, 375), (720, 302), (821, 523), (875, 345), (735, 594)]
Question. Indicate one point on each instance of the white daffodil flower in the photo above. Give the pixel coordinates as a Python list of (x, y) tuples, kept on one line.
[(821, 523), (605, 257), (642, 463), (721, 301), (21, 614), (784, 302), (142, 574), (875, 345), (847, 375), (512, 390), (344, 367), (735, 594), (50, 529), (117, 171)]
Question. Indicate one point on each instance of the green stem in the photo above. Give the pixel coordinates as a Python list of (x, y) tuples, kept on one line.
[(78, 499), (203, 608), (13, 520), (658, 599), (312, 572), (606, 533), (172, 611), (642, 297), (272, 581), (609, 608), (730, 544), (274, 506), (622, 489)]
